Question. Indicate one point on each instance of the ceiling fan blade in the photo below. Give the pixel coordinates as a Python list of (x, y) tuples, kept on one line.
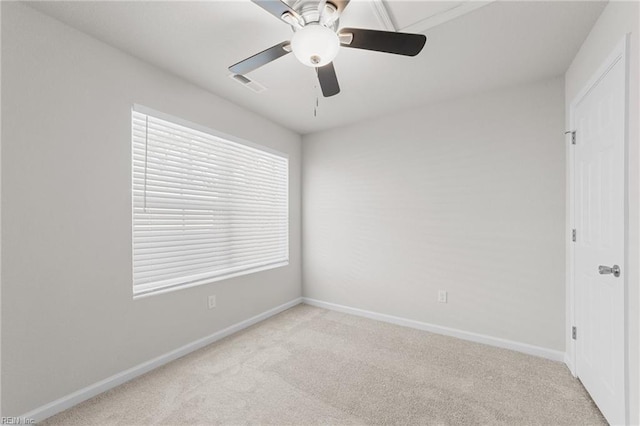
[(277, 8), (260, 59), (328, 80), (383, 41)]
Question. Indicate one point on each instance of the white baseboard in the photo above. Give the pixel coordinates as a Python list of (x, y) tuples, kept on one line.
[(447, 331), (81, 395)]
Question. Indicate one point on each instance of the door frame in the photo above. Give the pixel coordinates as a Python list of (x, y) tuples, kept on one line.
[(619, 53)]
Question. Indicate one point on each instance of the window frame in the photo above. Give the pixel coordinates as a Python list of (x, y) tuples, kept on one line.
[(225, 137)]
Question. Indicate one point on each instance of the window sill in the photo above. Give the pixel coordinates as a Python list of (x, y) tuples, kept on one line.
[(163, 290)]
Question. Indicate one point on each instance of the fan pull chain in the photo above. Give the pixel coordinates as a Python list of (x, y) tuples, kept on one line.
[(315, 107)]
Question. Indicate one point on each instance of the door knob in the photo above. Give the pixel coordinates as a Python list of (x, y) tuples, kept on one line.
[(604, 270)]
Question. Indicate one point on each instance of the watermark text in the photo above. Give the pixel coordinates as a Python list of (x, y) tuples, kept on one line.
[(17, 421)]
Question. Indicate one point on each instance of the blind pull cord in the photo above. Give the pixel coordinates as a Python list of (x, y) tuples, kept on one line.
[(146, 150)]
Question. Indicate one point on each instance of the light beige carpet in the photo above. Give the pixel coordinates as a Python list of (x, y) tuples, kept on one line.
[(313, 366)]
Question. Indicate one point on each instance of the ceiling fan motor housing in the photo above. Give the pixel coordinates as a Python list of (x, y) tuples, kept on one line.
[(309, 11)]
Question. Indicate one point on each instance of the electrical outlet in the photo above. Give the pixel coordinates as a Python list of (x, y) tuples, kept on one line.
[(442, 296), (212, 301)]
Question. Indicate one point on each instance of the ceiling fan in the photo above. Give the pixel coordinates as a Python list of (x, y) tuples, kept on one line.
[(316, 39)]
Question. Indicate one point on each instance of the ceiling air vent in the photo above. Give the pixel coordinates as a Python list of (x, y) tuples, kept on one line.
[(249, 84)]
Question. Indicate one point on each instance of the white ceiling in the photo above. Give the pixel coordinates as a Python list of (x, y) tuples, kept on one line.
[(498, 45)]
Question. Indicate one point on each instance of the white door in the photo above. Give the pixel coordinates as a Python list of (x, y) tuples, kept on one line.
[(599, 217)]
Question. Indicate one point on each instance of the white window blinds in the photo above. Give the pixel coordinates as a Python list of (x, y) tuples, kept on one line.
[(204, 207)]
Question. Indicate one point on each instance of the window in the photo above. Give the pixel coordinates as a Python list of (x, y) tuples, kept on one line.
[(205, 207)]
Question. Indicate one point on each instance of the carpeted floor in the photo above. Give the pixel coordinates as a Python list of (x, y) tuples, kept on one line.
[(312, 366)]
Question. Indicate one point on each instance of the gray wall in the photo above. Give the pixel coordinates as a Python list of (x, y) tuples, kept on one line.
[(68, 318), (617, 20), (465, 196)]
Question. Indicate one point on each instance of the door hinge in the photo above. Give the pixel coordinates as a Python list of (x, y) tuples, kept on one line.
[(574, 332), (573, 235), (573, 136)]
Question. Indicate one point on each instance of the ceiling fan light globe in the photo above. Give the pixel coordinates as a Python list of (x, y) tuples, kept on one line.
[(315, 45)]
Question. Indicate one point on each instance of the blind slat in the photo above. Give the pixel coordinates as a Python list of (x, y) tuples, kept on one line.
[(190, 268), (182, 239), (197, 249), (161, 266)]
